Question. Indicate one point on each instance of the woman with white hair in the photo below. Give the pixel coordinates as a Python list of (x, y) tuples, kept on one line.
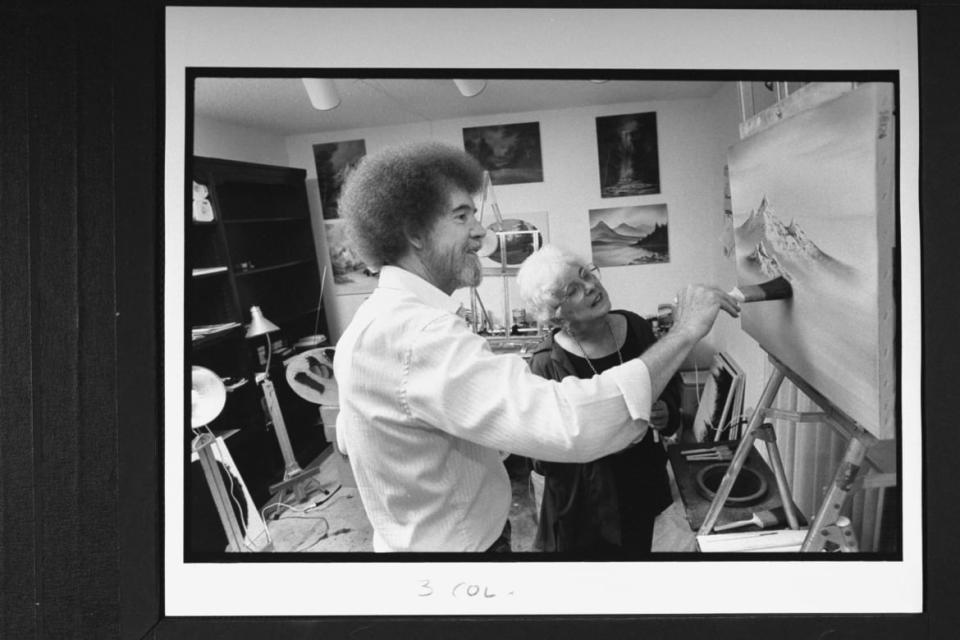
[(609, 504)]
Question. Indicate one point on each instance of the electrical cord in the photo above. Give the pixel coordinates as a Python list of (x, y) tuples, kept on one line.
[(233, 498), (327, 495)]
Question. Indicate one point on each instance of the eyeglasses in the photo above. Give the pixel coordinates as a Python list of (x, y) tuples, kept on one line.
[(587, 276)]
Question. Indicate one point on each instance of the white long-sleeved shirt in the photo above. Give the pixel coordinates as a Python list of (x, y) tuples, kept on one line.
[(425, 405)]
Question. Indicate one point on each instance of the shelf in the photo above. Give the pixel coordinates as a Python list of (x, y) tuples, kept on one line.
[(259, 251), (207, 334), (266, 220), (275, 267), (200, 272)]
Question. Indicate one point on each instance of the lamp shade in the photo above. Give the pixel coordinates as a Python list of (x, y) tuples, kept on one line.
[(470, 88), (208, 395), (258, 324), (323, 93)]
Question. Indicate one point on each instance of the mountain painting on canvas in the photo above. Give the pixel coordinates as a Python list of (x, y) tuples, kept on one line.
[(813, 202)]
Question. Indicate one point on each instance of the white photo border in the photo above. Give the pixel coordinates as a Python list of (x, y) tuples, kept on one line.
[(270, 38)]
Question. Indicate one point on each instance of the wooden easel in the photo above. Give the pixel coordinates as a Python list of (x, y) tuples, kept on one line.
[(828, 531), (295, 479)]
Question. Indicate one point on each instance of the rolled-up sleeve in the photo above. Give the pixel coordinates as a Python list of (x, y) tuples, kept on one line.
[(454, 382)]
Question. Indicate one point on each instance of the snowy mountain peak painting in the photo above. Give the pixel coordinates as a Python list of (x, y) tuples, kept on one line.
[(782, 249), (813, 199)]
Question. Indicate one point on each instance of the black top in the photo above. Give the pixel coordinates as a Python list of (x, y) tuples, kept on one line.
[(631, 349), (608, 504)]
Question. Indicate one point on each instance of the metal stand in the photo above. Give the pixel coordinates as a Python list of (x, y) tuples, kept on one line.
[(829, 531), (203, 446), (294, 477)]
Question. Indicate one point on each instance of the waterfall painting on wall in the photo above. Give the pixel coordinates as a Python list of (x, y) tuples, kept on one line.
[(622, 236), (627, 155), (335, 160)]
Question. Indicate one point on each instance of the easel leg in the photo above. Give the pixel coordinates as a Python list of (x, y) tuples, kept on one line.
[(740, 457), (769, 437), (829, 513)]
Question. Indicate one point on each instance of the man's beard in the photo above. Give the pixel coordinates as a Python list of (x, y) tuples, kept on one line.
[(471, 274), (455, 269)]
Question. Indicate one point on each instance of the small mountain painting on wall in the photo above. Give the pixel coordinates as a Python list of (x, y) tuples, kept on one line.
[(622, 236)]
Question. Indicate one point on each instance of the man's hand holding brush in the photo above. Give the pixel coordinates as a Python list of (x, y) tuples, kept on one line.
[(695, 312), (696, 308)]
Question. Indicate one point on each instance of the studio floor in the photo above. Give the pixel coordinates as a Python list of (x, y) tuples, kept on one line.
[(339, 524)]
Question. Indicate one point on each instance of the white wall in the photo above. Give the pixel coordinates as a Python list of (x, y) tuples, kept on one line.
[(217, 139), (691, 185)]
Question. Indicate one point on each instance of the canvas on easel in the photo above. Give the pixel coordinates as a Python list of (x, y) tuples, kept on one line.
[(813, 193), (813, 201)]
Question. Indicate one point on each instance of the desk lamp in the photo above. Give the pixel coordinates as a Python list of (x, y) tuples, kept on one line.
[(293, 475)]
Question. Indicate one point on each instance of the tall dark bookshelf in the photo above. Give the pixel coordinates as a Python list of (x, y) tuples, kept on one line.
[(258, 250)]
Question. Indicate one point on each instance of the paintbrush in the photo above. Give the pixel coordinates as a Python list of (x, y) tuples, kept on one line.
[(762, 519), (777, 289), (716, 455), (304, 379), (719, 448)]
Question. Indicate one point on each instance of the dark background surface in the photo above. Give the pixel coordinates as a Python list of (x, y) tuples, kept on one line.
[(81, 245)]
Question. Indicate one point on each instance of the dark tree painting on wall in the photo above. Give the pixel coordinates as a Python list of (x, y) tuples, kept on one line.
[(334, 162), (627, 149), (510, 152)]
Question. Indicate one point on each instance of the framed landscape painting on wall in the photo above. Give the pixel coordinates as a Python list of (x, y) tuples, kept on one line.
[(335, 160), (350, 273), (627, 153), (621, 236), (510, 152)]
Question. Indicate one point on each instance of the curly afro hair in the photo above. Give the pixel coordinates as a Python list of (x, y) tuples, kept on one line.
[(402, 190)]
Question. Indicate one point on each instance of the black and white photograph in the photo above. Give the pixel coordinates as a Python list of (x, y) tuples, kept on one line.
[(628, 155), (545, 412), (338, 468), (510, 152)]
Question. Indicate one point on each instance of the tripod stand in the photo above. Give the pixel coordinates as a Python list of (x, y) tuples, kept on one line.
[(829, 531)]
